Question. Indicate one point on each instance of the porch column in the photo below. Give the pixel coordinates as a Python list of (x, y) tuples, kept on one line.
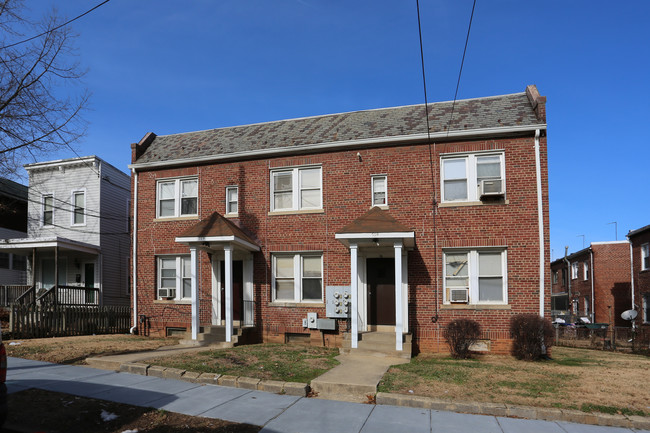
[(399, 318), (194, 278), (354, 294), (227, 249)]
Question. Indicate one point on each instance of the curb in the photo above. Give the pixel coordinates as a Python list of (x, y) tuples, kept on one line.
[(512, 411), (278, 387)]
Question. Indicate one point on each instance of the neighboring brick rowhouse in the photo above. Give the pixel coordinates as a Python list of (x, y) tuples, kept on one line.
[(413, 177), (641, 274)]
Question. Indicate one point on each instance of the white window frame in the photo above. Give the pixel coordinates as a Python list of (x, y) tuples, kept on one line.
[(296, 188), (230, 202), (585, 270), (177, 196), (73, 205), (574, 270), (645, 252), (298, 276), (586, 306), (646, 307), (473, 274), (470, 173), (43, 197), (373, 189), (179, 277), (555, 277)]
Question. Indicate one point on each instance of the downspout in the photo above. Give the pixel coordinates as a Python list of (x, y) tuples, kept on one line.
[(568, 280), (135, 252), (593, 301), (540, 222), (632, 280)]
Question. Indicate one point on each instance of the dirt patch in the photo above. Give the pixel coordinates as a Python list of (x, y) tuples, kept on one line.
[(581, 379), (58, 412), (74, 350)]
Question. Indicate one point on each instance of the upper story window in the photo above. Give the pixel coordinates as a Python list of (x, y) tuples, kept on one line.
[(78, 208), (472, 177), (586, 271), (232, 200), (379, 190), (296, 189), (4, 260), (554, 277), (177, 198), (174, 277), (475, 277), (48, 210), (298, 277), (574, 270), (645, 257)]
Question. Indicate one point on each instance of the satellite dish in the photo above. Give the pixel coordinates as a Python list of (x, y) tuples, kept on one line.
[(629, 314)]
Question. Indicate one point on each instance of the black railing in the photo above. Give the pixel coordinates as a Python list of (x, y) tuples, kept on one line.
[(70, 296), (11, 293), (27, 298)]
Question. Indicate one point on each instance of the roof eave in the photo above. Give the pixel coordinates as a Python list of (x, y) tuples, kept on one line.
[(337, 145)]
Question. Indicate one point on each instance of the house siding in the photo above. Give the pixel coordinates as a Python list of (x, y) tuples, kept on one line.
[(413, 173)]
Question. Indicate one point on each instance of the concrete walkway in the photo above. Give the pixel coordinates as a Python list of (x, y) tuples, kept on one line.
[(275, 413), (113, 362)]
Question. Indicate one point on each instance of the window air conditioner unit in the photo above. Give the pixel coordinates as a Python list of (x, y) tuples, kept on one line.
[(491, 188), (458, 295), (166, 293)]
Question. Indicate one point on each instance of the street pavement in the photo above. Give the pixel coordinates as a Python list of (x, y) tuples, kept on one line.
[(275, 413)]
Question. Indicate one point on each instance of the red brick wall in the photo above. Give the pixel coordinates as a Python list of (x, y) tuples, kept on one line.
[(346, 196), (641, 278), (612, 282)]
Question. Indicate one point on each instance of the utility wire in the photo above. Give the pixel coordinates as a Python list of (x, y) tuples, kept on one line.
[(424, 78), (55, 28), (453, 105)]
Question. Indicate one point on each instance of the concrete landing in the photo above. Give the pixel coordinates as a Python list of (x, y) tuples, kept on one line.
[(355, 378), (113, 362)]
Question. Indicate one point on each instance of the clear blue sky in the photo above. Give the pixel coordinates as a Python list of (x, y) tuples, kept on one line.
[(175, 66)]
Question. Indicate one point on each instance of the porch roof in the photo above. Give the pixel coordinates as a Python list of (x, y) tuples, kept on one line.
[(376, 224), (216, 228), (25, 245)]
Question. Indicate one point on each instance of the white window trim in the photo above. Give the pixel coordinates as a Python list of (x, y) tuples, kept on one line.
[(295, 187), (43, 210), (372, 190), (645, 247), (585, 270), (73, 205), (473, 274), (179, 276), (177, 196), (646, 299), (297, 277), (471, 173), (555, 277), (228, 189), (574, 270)]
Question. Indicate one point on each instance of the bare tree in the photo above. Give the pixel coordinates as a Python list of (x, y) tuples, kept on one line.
[(41, 96)]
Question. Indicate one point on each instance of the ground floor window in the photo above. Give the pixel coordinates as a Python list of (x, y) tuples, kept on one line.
[(174, 277), (475, 276), (298, 277), (646, 308)]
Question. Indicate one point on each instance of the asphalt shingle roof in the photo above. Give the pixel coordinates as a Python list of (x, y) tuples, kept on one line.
[(470, 114)]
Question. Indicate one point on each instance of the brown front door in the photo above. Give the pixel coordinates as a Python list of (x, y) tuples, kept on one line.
[(237, 289), (381, 291)]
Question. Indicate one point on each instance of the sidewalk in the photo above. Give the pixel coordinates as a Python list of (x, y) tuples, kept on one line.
[(274, 412)]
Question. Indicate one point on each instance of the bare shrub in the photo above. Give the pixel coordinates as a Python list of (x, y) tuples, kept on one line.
[(531, 336), (460, 334)]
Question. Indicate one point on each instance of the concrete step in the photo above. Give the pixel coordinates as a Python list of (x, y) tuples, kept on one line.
[(380, 344)]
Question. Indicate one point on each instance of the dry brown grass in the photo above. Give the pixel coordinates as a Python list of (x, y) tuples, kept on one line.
[(575, 378)]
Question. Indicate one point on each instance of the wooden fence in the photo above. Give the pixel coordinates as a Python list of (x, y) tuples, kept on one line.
[(39, 321)]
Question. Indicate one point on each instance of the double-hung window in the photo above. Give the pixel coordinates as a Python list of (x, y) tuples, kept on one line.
[(646, 308), (174, 277), (78, 208), (574, 270), (48, 210), (645, 257), (177, 198), (586, 270), (379, 190), (298, 277), (472, 177), (475, 276), (232, 200), (296, 189)]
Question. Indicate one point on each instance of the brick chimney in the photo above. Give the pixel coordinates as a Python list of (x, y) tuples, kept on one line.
[(537, 101), (137, 149)]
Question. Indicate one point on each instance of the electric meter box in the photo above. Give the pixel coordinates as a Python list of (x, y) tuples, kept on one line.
[(338, 302)]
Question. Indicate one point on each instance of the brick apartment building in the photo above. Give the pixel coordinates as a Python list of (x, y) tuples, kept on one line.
[(593, 283), (291, 228), (640, 256)]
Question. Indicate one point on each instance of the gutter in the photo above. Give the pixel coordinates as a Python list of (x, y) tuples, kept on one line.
[(338, 145), (135, 253), (540, 223)]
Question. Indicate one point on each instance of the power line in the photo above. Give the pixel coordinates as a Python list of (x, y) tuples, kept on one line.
[(55, 28), (453, 105)]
